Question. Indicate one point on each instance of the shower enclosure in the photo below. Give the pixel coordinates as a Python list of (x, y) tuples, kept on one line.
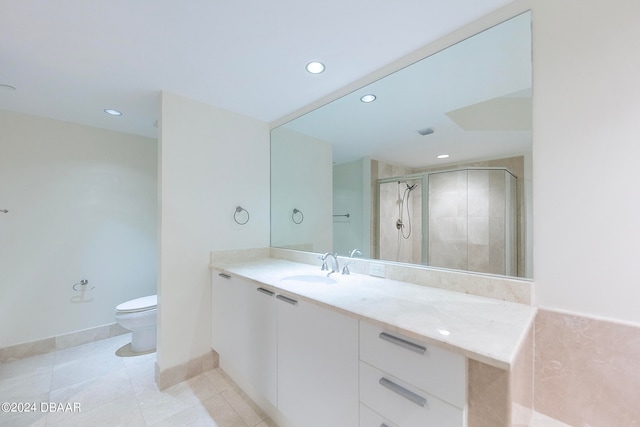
[(464, 219)]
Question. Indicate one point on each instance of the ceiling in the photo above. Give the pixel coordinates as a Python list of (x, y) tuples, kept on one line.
[(474, 97), (71, 59)]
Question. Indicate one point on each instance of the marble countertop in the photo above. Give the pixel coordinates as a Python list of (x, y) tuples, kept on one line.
[(484, 329)]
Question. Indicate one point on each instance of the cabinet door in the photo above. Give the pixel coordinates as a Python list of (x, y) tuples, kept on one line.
[(317, 365), (255, 337), (222, 314), (244, 332)]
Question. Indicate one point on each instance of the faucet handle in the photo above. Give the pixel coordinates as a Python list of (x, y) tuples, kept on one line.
[(324, 263), (345, 268)]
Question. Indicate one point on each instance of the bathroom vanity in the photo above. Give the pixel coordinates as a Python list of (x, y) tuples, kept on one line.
[(355, 350)]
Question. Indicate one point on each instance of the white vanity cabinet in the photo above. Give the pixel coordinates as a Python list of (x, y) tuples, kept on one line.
[(301, 357), (245, 332), (222, 314), (408, 383), (366, 351), (317, 365)]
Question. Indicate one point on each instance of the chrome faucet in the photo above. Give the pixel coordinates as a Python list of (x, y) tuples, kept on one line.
[(354, 253), (334, 263)]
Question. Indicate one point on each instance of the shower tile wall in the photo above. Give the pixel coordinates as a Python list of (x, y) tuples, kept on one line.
[(388, 215), (385, 236), (489, 222), (515, 165), (448, 211), (416, 223), (394, 247), (486, 231), (471, 220), (476, 242)]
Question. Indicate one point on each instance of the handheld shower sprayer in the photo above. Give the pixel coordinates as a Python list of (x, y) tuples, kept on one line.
[(404, 205)]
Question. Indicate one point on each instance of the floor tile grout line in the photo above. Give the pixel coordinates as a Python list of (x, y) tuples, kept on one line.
[(231, 392), (234, 409), (53, 365)]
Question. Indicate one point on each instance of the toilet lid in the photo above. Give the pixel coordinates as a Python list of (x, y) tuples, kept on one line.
[(139, 304)]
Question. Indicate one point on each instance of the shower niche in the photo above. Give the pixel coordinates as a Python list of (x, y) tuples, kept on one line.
[(463, 219)]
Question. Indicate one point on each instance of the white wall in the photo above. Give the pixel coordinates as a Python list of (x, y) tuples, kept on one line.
[(351, 193), (82, 205), (210, 161), (586, 155), (301, 179)]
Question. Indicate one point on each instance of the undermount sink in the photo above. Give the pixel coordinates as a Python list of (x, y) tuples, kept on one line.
[(311, 278)]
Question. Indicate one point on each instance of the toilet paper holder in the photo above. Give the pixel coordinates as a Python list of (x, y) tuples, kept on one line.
[(81, 286)]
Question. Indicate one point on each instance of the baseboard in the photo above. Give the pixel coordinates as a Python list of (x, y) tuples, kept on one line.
[(71, 339), (171, 376)]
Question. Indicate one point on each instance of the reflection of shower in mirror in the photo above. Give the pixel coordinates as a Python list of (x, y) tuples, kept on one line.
[(464, 219), (481, 115), (403, 208)]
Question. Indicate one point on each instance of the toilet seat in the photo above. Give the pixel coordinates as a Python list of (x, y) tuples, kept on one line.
[(138, 305)]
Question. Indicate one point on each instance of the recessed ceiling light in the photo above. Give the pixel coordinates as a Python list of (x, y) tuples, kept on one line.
[(368, 98), (7, 87), (315, 67), (443, 156), (113, 112)]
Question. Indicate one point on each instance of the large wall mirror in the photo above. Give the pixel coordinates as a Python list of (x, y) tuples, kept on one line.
[(435, 169)]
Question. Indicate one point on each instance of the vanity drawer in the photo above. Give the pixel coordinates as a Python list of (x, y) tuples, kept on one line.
[(439, 372), (370, 418), (404, 404)]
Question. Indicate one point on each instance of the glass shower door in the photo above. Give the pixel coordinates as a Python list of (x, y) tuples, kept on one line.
[(472, 221)]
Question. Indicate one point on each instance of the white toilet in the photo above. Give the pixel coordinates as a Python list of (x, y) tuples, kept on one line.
[(139, 316)]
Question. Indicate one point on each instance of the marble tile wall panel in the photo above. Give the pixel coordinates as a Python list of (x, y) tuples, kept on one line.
[(587, 370), (502, 288), (488, 394), (521, 383), (500, 398)]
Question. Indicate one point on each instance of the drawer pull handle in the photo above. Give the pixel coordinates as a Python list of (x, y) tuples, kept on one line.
[(287, 299), (407, 394), (226, 276), (383, 425), (402, 343), (266, 291)]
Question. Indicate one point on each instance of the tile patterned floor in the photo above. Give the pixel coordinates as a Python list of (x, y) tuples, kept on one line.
[(113, 390)]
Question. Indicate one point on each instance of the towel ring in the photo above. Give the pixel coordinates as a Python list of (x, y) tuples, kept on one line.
[(82, 283), (293, 216), (239, 209)]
